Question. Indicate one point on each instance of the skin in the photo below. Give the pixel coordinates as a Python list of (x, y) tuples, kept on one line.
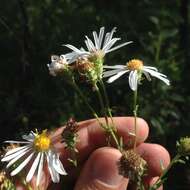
[(98, 162)]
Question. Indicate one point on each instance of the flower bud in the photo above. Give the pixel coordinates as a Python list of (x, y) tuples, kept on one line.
[(183, 146)]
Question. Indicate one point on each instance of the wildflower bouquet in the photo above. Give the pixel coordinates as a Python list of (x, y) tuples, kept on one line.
[(37, 151)]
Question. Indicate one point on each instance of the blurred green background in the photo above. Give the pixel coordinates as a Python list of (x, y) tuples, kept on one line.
[(31, 31)]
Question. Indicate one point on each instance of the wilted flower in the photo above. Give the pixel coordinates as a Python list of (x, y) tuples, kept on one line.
[(132, 165), (102, 45), (38, 148), (69, 133), (58, 65), (135, 68), (5, 182)]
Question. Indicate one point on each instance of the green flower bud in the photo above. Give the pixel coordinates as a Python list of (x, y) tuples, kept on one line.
[(183, 146)]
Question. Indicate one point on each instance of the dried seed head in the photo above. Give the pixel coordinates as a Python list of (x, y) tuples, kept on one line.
[(132, 165), (5, 182), (58, 66), (70, 127), (183, 146), (69, 135), (83, 65), (2, 176)]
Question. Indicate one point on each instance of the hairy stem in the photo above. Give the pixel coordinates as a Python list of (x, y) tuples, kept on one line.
[(109, 128), (162, 178), (135, 109)]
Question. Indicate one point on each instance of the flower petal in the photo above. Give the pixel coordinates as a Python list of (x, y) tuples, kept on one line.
[(54, 175), (106, 39), (112, 72), (29, 137), (16, 158), (114, 66), (22, 165), (133, 80), (14, 150), (18, 142), (153, 73), (119, 46), (73, 48), (110, 35), (58, 165), (158, 75), (40, 167), (90, 44), (96, 39), (15, 154), (101, 35), (113, 78), (147, 75), (152, 68), (33, 168), (110, 44)]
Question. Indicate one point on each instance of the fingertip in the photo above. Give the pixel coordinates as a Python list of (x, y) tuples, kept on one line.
[(126, 129), (101, 171), (157, 158)]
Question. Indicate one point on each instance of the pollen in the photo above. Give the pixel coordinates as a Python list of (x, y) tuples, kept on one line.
[(42, 141), (135, 64)]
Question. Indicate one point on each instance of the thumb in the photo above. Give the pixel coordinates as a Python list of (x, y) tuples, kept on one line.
[(101, 172)]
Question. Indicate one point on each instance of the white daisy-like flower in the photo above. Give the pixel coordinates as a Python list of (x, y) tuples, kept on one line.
[(135, 68), (58, 64), (37, 150), (102, 45)]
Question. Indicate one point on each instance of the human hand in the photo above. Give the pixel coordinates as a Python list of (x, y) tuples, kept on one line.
[(98, 162)]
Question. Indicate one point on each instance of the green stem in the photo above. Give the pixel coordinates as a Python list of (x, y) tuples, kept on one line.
[(75, 86), (101, 103), (113, 129), (84, 99), (135, 109), (107, 102), (162, 178), (108, 128)]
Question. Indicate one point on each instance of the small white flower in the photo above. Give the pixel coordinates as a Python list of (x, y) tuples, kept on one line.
[(37, 148), (58, 64), (102, 45), (135, 68)]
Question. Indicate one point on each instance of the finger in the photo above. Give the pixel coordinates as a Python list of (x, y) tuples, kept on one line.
[(92, 136), (151, 181), (19, 185), (44, 180), (148, 182), (157, 158), (101, 172)]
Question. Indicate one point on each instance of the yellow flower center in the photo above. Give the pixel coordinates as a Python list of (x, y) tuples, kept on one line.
[(42, 141), (135, 64)]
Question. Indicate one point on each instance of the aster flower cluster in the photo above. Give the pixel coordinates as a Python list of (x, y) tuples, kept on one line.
[(88, 61), (37, 150)]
